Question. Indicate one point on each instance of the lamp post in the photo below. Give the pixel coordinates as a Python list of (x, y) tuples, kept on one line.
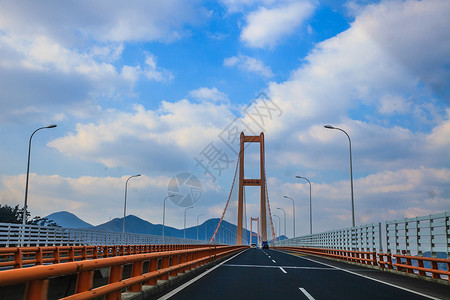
[(25, 206), (351, 169), (293, 211), (197, 223), (279, 224), (310, 203), (125, 203), (164, 214), (284, 220), (185, 220)]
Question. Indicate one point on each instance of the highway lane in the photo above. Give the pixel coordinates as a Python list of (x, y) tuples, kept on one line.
[(272, 274)]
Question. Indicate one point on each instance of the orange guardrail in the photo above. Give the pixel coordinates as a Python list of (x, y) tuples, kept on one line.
[(409, 267), (362, 257), (402, 263), (17, 257), (159, 265)]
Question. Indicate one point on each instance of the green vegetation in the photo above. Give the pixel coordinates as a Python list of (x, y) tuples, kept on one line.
[(14, 215)]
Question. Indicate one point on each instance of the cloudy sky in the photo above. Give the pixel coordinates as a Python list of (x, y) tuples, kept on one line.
[(157, 88)]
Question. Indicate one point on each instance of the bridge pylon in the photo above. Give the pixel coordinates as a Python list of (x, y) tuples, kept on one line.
[(261, 182)]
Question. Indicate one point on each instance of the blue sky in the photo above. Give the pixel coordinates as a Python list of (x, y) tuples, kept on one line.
[(146, 87)]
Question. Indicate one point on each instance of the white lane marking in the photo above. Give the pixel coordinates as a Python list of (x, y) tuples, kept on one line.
[(306, 294), (364, 276), (286, 267), (269, 256), (283, 270), (181, 287), (274, 261)]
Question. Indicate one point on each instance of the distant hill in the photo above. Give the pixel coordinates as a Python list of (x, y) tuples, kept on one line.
[(68, 220), (133, 224)]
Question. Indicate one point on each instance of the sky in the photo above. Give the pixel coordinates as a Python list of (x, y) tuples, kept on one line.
[(163, 88)]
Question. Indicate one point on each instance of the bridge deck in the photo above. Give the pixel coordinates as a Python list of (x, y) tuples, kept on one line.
[(272, 274)]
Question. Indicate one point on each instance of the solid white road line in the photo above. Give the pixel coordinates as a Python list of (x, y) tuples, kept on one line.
[(364, 276), (181, 287), (306, 294), (283, 270)]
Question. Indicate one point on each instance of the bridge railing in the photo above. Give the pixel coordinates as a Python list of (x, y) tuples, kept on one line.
[(420, 234), (146, 269), (14, 235), (411, 236), (362, 238)]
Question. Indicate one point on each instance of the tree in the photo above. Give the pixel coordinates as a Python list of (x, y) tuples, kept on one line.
[(10, 215), (14, 215)]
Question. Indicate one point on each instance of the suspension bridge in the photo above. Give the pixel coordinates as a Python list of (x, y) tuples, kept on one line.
[(406, 260)]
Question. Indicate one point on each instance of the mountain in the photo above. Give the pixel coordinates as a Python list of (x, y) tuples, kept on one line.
[(68, 220), (133, 224)]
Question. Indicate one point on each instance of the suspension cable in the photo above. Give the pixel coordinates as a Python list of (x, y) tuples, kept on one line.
[(228, 201)]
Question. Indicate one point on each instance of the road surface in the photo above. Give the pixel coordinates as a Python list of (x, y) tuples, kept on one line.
[(272, 274)]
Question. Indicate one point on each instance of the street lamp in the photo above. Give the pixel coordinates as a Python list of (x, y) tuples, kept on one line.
[(25, 206), (351, 169), (310, 203), (164, 214), (125, 203), (279, 224), (197, 223), (293, 210), (185, 220), (284, 220)]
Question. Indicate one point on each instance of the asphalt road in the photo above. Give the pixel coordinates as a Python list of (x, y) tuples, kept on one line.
[(272, 274)]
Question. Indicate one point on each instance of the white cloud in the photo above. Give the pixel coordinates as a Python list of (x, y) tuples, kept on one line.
[(209, 94), (108, 21), (379, 197), (165, 139), (267, 26), (84, 195), (390, 104), (240, 5), (360, 66), (152, 72), (72, 52), (249, 64)]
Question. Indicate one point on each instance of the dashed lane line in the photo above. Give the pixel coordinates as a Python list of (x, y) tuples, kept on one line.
[(173, 292), (308, 295)]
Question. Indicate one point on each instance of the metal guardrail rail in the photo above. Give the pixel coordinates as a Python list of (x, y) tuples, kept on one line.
[(14, 235), (147, 269), (404, 236), (18, 257), (363, 238), (421, 234), (420, 266)]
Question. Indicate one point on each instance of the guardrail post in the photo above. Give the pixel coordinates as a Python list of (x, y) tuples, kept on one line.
[(175, 262), (152, 267), (84, 281), (115, 275), (164, 265), (36, 290), (18, 258), (136, 270), (56, 259), (420, 264), (434, 266), (39, 256)]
